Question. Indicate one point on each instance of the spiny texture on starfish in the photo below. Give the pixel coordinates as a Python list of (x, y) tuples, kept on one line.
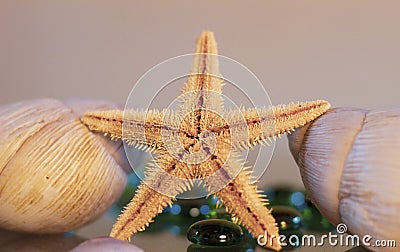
[(198, 140)]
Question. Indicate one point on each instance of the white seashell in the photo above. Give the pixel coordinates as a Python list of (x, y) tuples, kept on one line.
[(349, 161), (55, 175)]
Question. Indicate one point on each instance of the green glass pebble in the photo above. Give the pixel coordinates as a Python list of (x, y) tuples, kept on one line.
[(215, 232), (287, 218), (219, 213)]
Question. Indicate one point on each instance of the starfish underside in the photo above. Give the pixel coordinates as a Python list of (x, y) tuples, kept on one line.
[(209, 140)]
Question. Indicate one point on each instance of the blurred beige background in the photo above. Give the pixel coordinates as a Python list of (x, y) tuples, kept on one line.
[(346, 52)]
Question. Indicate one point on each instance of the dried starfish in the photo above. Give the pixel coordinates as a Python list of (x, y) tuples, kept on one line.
[(200, 113)]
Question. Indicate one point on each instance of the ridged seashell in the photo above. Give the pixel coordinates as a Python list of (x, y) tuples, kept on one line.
[(55, 174), (349, 161)]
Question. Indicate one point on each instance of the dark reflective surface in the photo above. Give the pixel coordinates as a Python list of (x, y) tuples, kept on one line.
[(214, 232)]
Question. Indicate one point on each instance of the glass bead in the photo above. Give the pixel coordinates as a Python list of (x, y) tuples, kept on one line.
[(215, 232)]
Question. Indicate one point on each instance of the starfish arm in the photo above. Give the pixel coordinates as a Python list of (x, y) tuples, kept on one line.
[(140, 212), (248, 207), (204, 85), (243, 201), (295, 115), (145, 130), (254, 126), (148, 202)]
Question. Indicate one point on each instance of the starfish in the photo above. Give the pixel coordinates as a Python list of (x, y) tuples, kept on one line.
[(197, 142)]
